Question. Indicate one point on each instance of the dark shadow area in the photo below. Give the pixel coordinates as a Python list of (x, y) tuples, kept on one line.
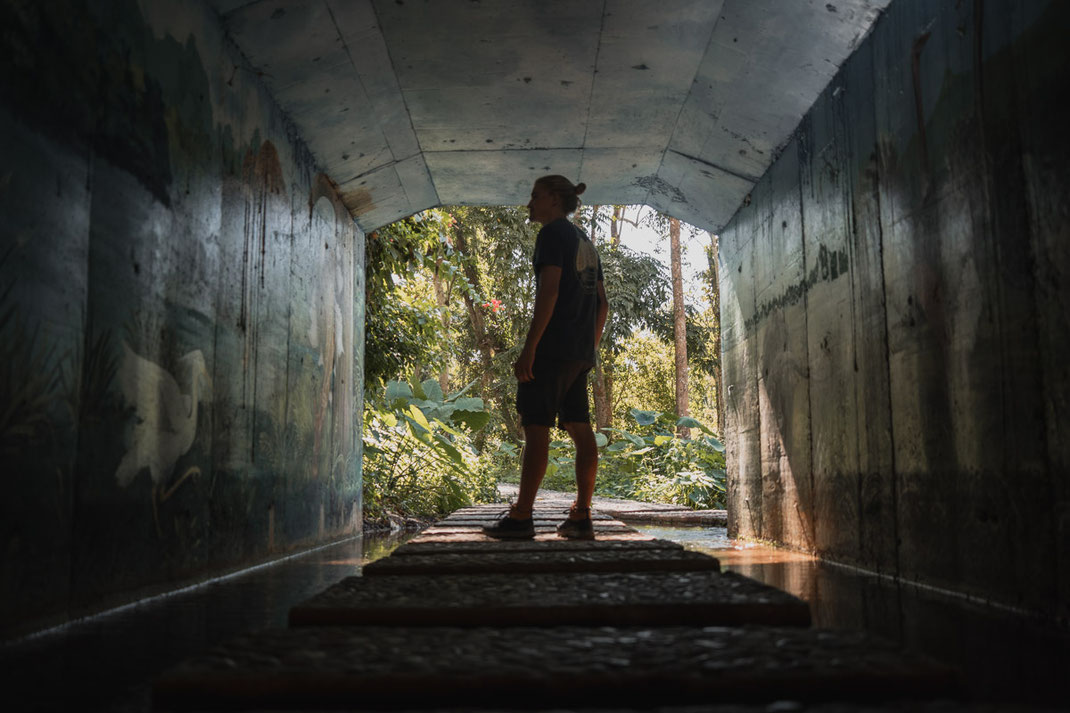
[(1003, 656), (107, 662)]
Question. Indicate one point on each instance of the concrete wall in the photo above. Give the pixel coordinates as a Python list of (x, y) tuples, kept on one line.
[(181, 313), (896, 311)]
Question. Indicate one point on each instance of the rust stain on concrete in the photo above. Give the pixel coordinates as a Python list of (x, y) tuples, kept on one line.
[(358, 202), (324, 187)]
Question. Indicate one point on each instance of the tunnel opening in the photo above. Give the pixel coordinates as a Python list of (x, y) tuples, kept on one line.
[(450, 296)]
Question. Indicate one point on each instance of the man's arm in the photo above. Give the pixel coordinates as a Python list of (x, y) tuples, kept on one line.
[(545, 299), (600, 317)]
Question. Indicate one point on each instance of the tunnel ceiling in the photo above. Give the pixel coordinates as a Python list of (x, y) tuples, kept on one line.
[(677, 104)]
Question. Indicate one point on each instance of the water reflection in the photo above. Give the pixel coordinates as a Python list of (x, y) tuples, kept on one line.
[(1003, 656), (106, 662), (379, 544)]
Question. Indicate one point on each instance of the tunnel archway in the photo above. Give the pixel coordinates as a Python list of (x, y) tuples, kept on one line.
[(846, 153), (889, 181)]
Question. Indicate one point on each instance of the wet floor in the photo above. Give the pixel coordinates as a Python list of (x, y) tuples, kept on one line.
[(1003, 656), (106, 662)]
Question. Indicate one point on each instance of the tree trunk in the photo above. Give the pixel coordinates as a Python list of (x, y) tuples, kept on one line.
[(509, 416), (615, 222), (479, 329), (603, 409), (715, 305), (679, 322), (442, 299)]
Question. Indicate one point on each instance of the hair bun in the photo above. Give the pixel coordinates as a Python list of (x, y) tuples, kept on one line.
[(580, 188)]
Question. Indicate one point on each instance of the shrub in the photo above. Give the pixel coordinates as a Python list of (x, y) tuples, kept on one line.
[(418, 454), (650, 463)]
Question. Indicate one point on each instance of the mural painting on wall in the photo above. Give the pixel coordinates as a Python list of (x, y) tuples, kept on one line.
[(177, 345), (330, 334), (166, 420), (294, 331)]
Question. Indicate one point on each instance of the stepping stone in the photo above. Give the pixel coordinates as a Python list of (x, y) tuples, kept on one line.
[(490, 515), (581, 562), (706, 518), (611, 527), (538, 522), (538, 513), (490, 545), (538, 518), (660, 599), (632, 667), (469, 535), (548, 526)]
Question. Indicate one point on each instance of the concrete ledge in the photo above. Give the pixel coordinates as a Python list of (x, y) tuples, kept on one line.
[(370, 667), (661, 599), (704, 518), (628, 511), (546, 562), (544, 535), (556, 544)]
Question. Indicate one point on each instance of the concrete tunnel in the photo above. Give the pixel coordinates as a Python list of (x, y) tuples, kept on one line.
[(186, 188)]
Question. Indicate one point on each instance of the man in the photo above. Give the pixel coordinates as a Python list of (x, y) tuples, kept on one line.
[(569, 316)]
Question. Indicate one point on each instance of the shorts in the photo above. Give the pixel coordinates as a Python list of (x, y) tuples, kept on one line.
[(559, 390)]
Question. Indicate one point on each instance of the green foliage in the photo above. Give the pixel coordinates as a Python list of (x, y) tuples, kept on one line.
[(637, 288), (449, 296), (643, 376), (418, 454), (698, 330), (405, 325), (651, 463)]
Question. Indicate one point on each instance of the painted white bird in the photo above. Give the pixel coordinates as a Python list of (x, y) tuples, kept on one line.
[(166, 420)]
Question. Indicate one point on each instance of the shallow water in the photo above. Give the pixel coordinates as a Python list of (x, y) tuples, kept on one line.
[(105, 662), (697, 538), (1003, 656)]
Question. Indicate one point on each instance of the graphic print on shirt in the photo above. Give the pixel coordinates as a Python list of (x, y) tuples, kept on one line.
[(587, 266)]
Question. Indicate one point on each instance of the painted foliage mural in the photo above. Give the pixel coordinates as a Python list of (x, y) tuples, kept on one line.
[(181, 315)]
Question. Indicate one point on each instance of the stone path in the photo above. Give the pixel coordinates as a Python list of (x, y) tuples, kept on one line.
[(630, 511), (455, 620), (645, 599)]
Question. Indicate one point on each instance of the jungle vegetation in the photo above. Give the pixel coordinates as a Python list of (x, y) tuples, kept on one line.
[(449, 299)]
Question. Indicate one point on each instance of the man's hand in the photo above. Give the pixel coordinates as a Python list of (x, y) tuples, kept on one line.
[(522, 366)]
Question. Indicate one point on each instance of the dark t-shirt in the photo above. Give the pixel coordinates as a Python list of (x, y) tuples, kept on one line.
[(570, 333)]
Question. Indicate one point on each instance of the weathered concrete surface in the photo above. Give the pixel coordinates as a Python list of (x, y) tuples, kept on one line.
[(627, 511), (469, 535), (894, 304), (648, 599), (680, 516), (181, 313), (546, 515), (336, 667), (433, 548), (680, 104), (546, 561)]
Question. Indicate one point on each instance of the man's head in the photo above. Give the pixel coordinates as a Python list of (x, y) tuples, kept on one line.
[(553, 197)]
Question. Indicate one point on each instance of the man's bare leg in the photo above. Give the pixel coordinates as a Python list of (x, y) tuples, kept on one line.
[(532, 468), (586, 464)]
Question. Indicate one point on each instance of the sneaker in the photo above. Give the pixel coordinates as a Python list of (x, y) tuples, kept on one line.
[(511, 528), (577, 528)]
